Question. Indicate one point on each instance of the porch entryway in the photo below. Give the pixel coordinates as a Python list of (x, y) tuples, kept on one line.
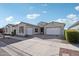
[(42, 30)]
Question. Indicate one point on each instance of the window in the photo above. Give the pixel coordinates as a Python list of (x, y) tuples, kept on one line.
[(36, 29), (21, 29)]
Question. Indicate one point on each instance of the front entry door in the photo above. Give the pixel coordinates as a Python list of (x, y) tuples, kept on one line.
[(41, 30)]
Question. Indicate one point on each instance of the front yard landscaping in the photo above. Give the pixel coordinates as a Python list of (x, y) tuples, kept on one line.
[(71, 36)]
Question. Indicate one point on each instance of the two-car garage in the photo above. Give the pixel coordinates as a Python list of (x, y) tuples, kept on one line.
[(53, 31), (54, 28)]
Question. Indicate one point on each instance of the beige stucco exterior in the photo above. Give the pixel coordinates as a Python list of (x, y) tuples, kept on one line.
[(10, 28), (26, 26), (55, 25)]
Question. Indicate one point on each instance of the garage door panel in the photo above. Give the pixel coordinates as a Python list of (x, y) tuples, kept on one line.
[(53, 31), (29, 31)]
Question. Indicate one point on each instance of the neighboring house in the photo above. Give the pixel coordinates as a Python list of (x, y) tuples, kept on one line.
[(8, 29), (75, 26), (52, 28), (1, 30)]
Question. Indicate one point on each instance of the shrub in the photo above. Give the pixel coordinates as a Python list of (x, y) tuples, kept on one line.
[(14, 33), (65, 34), (72, 36)]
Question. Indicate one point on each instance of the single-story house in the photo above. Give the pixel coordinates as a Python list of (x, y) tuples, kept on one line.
[(8, 29), (75, 26), (52, 28)]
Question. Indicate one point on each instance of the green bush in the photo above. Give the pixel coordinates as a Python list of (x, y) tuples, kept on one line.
[(72, 36), (65, 34), (14, 33)]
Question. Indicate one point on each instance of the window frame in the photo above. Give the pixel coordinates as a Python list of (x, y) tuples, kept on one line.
[(36, 29)]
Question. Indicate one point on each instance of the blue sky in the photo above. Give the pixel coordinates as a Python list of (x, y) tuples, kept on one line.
[(67, 13)]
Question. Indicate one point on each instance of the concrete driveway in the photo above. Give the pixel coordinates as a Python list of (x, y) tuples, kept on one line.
[(37, 47), (52, 38), (33, 46)]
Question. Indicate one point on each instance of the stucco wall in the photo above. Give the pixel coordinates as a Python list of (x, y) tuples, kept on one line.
[(55, 25), (50, 25), (25, 29), (17, 29), (9, 29)]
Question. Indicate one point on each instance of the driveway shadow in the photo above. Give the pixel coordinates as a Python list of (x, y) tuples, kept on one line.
[(7, 41)]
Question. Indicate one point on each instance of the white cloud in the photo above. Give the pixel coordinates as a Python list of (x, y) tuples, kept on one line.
[(32, 16), (17, 22), (73, 17), (77, 8), (9, 18), (69, 20), (61, 20)]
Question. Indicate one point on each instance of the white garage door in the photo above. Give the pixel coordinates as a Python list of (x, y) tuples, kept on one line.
[(29, 31), (53, 31)]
